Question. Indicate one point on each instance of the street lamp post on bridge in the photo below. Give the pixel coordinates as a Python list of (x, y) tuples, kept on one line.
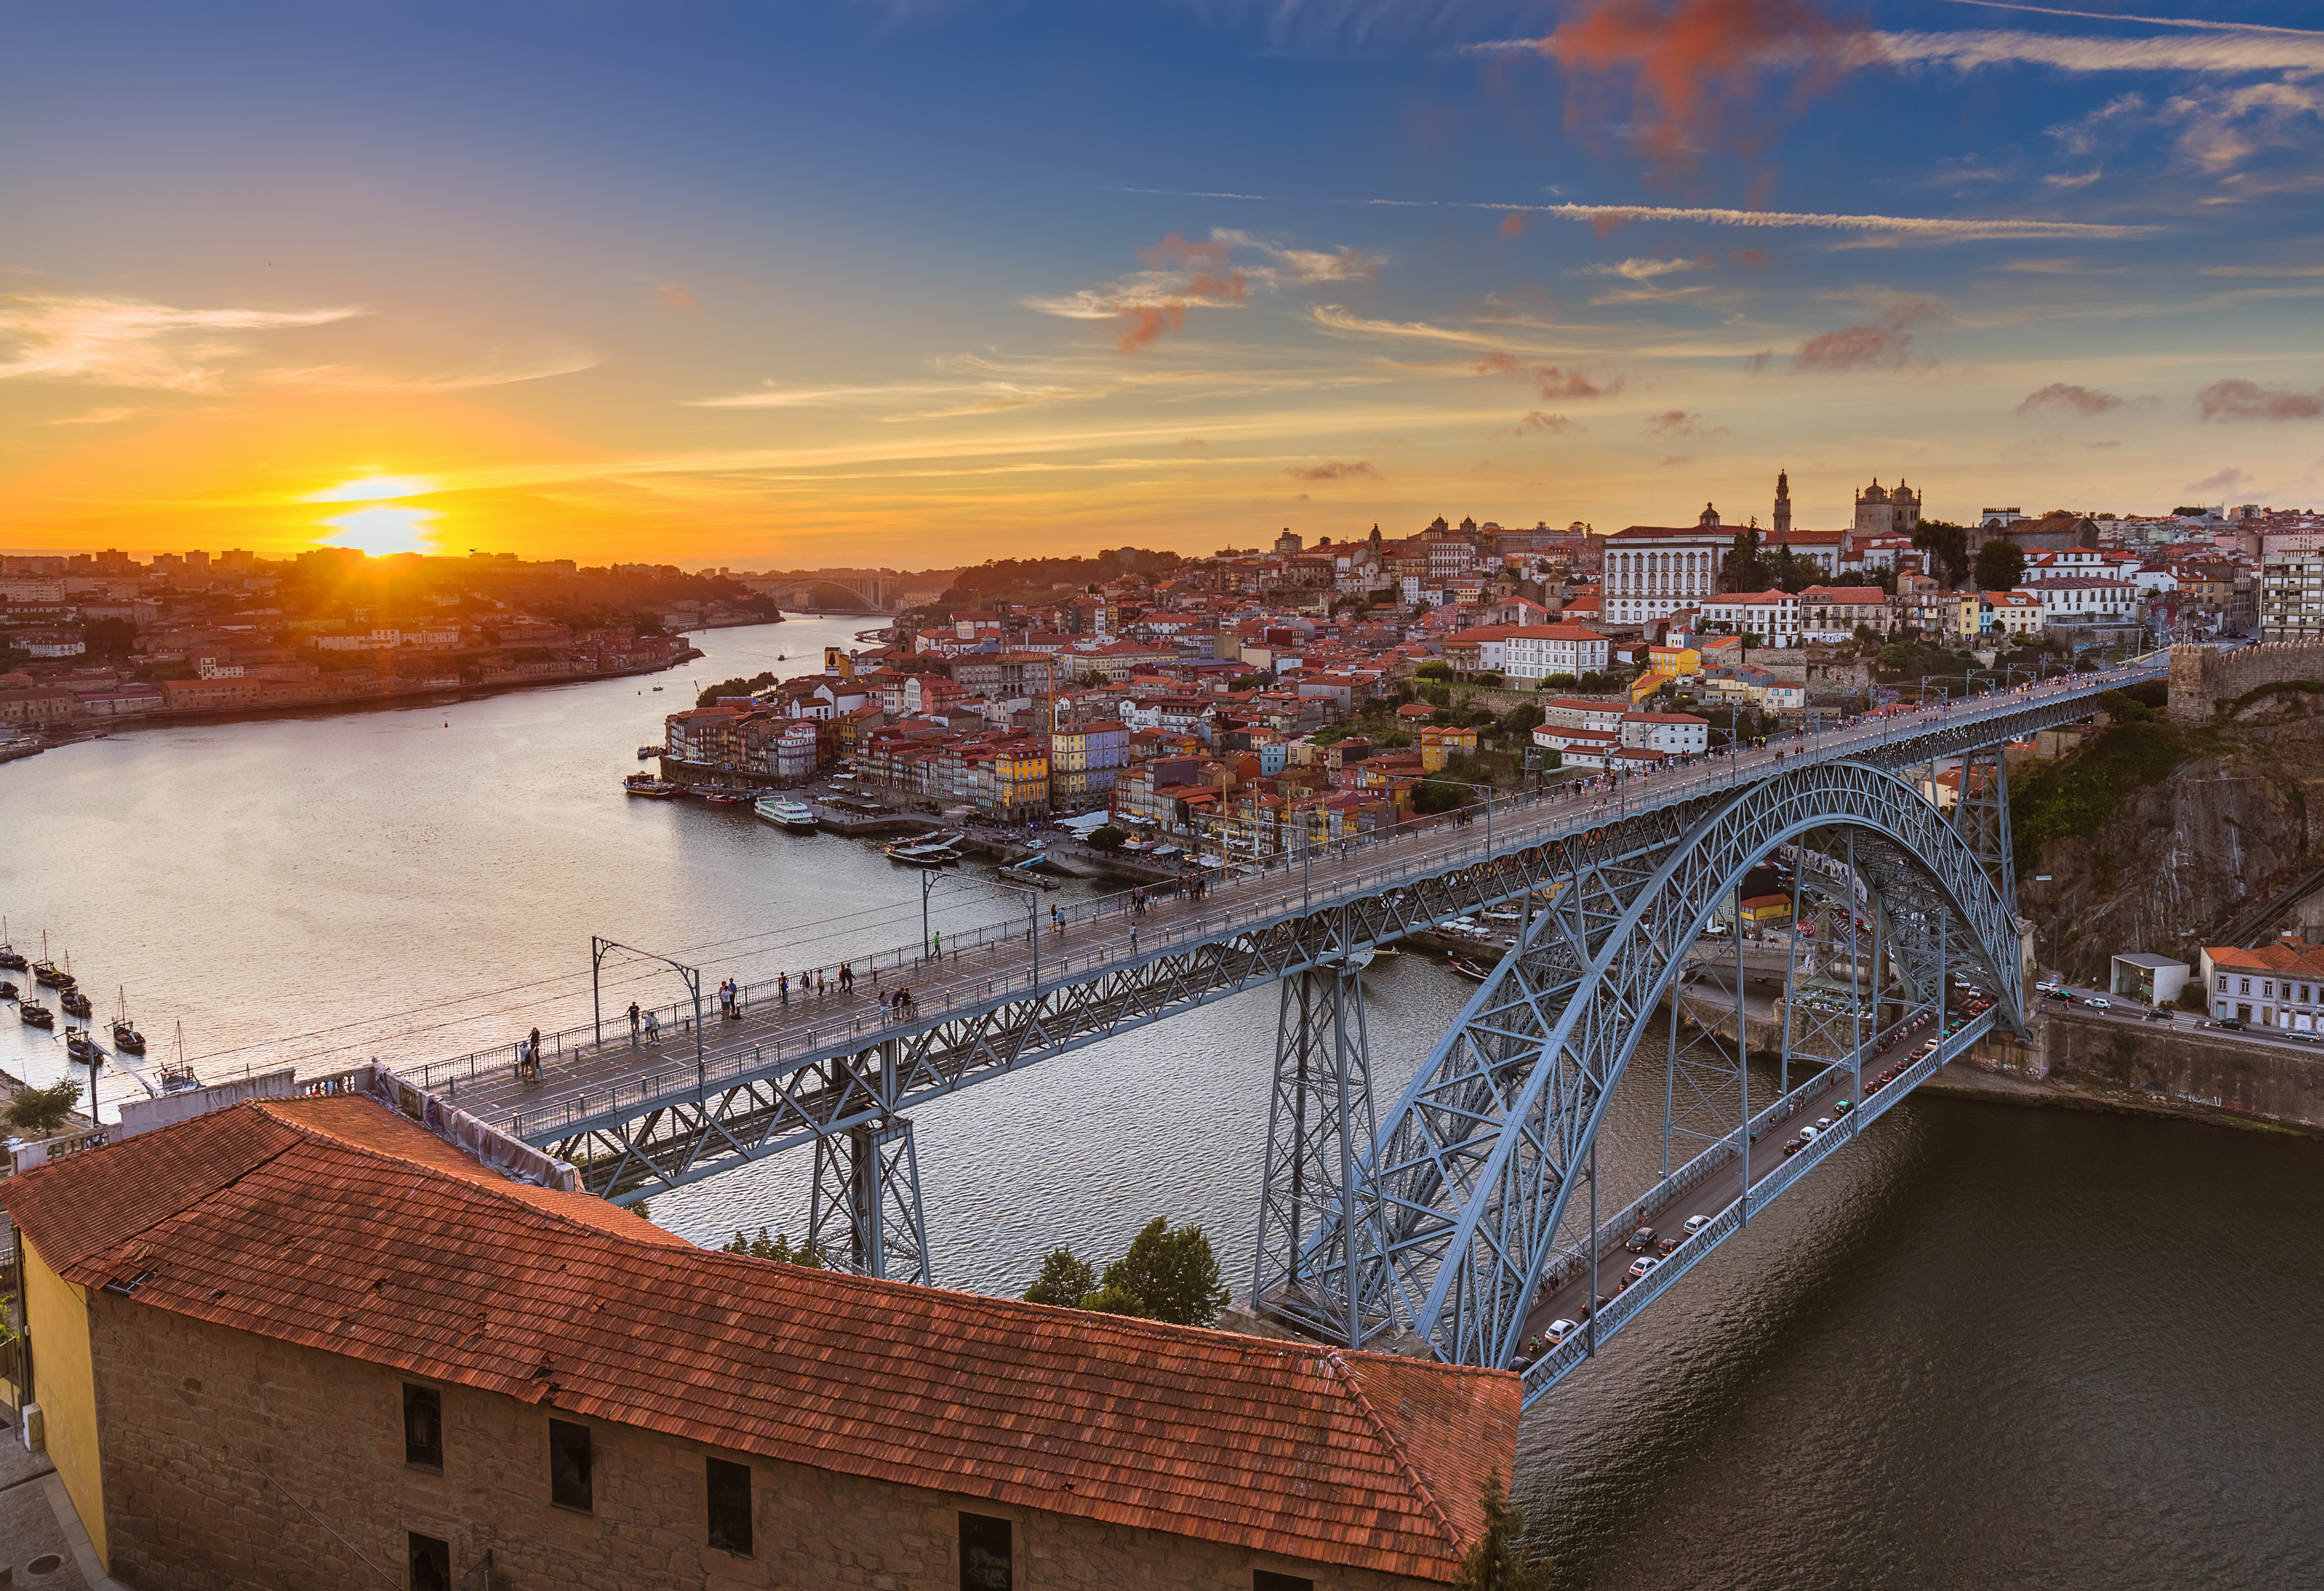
[(598, 946)]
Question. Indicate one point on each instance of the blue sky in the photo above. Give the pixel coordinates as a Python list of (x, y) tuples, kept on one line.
[(806, 283)]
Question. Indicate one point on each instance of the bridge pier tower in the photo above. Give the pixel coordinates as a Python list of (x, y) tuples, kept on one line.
[(1319, 1242), (865, 1207)]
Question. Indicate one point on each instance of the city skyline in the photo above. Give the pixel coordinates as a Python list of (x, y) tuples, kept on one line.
[(922, 286)]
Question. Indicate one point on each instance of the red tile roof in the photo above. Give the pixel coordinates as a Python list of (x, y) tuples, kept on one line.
[(336, 1225)]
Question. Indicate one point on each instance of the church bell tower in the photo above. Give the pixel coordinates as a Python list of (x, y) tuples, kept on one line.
[(1783, 507)]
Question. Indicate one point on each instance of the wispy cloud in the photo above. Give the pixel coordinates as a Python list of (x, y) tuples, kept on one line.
[(128, 343), (1334, 470), (1675, 423), (100, 416), (2239, 400), (1886, 344), (1606, 217), (1334, 317), (1643, 271), (2218, 52), (1550, 381), (2067, 396), (490, 372), (1539, 424)]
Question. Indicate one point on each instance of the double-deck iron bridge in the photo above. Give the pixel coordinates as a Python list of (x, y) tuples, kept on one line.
[(1448, 1218)]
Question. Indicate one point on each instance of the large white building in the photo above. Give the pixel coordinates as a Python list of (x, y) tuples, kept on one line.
[(2084, 597), (1652, 571), (1537, 652), (1774, 616)]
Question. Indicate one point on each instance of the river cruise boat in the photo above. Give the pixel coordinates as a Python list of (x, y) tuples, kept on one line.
[(797, 816), (647, 752), (650, 786)]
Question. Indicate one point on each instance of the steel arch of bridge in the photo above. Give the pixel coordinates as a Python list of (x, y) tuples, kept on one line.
[(1472, 1170)]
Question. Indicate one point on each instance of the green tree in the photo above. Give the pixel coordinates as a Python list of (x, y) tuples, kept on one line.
[(1948, 544), (1248, 681), (1064, 1280), (1745, 569), (42, 1113), (1112, 1300), (733, 687), (1497, 1559), (1105, 837), (109, 637), (1172, 1272), (1433, 670), (1522, 719), (778, 1248), (2000, 564)]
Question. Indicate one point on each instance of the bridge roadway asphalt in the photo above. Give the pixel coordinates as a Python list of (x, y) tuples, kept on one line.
[(768, 1030), (1571, 1299)]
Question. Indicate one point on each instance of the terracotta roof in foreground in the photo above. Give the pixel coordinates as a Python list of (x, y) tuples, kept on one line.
[(336, 1225)]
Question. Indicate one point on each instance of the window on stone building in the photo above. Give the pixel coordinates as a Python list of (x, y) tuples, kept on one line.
[(730, 1506), (423, 1426), (431, 1563), (1268, 1580), (985, 1559), (568, 1466)]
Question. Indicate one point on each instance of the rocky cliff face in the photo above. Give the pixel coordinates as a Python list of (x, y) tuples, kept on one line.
[(2180, 857)]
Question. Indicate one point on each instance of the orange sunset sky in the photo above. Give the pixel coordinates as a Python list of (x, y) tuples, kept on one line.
[(923, 286)]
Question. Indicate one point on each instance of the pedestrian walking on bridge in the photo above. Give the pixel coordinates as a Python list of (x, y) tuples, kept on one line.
[(634, 1024)]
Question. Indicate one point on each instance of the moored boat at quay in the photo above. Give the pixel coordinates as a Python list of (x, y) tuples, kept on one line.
[(929, 850), (650, 786), (797, 816)]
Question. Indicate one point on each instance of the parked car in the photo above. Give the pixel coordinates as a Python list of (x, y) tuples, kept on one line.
[(1641, 1240), (2230, 1025)]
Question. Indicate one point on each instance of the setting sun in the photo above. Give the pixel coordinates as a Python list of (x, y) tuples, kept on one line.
[(374, 489), (380, 531)]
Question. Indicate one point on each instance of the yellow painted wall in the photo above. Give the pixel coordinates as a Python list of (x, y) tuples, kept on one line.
[(64, 1384)]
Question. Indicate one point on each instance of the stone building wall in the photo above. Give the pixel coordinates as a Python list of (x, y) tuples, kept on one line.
[(2201, 677), (233, 1462)]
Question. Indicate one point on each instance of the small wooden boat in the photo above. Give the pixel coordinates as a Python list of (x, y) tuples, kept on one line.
[(8, 991), (11, 959), (126, 1036), (83, 1048), (1468, 968), (32, 1014), (76, 1004)]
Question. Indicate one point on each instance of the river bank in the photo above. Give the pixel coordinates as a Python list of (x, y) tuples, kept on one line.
[(54, 734)]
